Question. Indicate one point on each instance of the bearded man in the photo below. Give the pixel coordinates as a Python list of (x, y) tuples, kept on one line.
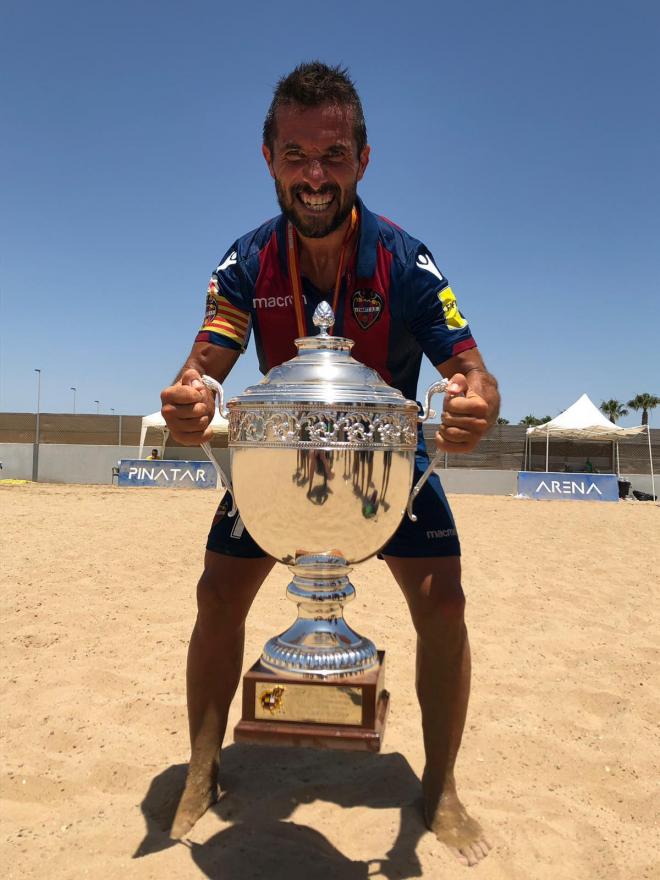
[(389, 296)]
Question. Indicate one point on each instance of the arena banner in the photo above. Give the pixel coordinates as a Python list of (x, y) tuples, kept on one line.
[(568, 487), (167, 474)]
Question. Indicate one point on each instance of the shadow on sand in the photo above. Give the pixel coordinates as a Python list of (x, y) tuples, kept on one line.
[(264, 786)]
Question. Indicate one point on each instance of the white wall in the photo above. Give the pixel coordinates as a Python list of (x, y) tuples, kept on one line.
[(69, 463), (478, 481)]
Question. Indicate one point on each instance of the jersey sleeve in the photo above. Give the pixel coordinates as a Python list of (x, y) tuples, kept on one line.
[(431, 310), (227, 321)]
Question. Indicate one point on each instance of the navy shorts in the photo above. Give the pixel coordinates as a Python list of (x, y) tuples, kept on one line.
[(434, 534)]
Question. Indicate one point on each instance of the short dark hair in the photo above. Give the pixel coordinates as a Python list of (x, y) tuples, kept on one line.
[(312, 84)]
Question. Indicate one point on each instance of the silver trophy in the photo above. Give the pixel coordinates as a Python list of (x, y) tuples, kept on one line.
[(323, 453)]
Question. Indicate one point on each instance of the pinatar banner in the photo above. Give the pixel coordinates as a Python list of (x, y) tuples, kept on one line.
[(167, 474)]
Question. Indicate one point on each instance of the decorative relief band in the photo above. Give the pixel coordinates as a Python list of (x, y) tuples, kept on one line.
[(354, 429)]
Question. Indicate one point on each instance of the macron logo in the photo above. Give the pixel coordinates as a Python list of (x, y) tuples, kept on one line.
[(230, 261), (425, 262)]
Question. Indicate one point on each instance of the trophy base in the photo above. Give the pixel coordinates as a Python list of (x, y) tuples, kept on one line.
[(342, 712)]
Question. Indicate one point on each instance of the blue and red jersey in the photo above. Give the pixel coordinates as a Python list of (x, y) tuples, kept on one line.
[(394, 302)]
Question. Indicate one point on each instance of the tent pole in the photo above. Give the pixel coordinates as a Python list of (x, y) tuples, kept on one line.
[(547, 450), (648, 434), (618, 461)]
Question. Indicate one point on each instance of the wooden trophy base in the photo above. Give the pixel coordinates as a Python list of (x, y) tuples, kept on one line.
[(336, 713)]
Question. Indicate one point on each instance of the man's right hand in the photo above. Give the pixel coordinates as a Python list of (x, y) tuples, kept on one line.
[(188, 408)]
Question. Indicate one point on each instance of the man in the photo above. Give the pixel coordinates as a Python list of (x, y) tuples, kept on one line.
[(389, 296), (154, 455)]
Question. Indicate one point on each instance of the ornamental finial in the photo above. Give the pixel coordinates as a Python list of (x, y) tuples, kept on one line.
[(323, 317)]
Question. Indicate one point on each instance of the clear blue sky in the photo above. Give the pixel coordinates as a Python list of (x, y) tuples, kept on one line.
[(519, 140)]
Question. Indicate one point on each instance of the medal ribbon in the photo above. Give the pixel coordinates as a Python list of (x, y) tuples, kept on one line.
[(294, 271)]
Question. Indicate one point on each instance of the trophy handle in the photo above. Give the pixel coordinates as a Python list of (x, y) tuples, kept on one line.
[(216, 387), (427, 413)]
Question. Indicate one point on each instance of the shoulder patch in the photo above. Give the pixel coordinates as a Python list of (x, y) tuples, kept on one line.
[(453, 317)]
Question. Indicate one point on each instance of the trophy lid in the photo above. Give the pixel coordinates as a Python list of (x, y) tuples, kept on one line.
[(323, 371)]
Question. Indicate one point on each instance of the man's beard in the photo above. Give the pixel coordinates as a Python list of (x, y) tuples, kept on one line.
[(307, 224)]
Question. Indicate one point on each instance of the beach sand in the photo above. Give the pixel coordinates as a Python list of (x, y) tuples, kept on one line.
[(560, 754)]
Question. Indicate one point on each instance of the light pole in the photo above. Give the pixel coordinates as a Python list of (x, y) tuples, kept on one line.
[(35, 447), (98, 403), (74, 399), (119, 438)]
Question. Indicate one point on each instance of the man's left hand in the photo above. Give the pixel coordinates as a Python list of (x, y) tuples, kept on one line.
[(464, 417)]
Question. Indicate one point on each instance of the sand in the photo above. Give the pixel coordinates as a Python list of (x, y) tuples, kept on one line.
[(560, 754)]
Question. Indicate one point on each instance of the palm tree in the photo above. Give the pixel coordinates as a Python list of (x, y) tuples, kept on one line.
[(501, 421), (613, 409), (532, 421), (645, 402)]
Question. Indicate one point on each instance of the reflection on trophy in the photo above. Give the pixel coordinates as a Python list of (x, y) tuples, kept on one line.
[(331, 448)]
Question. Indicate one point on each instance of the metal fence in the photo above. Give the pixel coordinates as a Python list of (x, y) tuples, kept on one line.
[(501, 449), (84, 429)]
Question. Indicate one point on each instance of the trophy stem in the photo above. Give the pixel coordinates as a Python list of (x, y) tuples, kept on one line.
[(320, 643)]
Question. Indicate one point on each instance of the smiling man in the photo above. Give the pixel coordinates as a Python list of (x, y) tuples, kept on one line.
[(390, 297)]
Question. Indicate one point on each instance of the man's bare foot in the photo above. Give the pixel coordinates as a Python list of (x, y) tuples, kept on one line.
[(199, 794), (446, 816)]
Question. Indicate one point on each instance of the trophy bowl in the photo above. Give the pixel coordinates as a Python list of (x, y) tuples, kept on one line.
[(322, 453), (343, 498)]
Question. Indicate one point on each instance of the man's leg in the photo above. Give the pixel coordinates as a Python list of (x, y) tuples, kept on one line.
[(225, 593), (432, 588)]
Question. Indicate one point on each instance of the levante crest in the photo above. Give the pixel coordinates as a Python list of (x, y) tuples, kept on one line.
[(367, 307)]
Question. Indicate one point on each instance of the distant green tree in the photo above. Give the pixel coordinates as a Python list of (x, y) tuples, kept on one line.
[(613, 409), (501, 421), (645, 402), (532, 421)]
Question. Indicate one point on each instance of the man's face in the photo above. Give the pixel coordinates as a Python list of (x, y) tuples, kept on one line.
[(315, 166)]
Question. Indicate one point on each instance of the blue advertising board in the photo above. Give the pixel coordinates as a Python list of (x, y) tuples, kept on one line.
[(167, 474), (568, 487)]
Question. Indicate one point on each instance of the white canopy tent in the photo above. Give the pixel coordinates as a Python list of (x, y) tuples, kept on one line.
[(155, 420), (584, 421)]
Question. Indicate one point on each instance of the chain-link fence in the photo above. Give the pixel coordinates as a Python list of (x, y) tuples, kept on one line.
[(503, 448), (84, 429)]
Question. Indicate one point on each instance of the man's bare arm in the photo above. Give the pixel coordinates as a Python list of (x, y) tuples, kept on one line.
[(209, 360), (472, 402), (187, 404)]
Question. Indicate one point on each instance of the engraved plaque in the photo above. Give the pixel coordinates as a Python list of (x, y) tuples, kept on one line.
[(304, 702)]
